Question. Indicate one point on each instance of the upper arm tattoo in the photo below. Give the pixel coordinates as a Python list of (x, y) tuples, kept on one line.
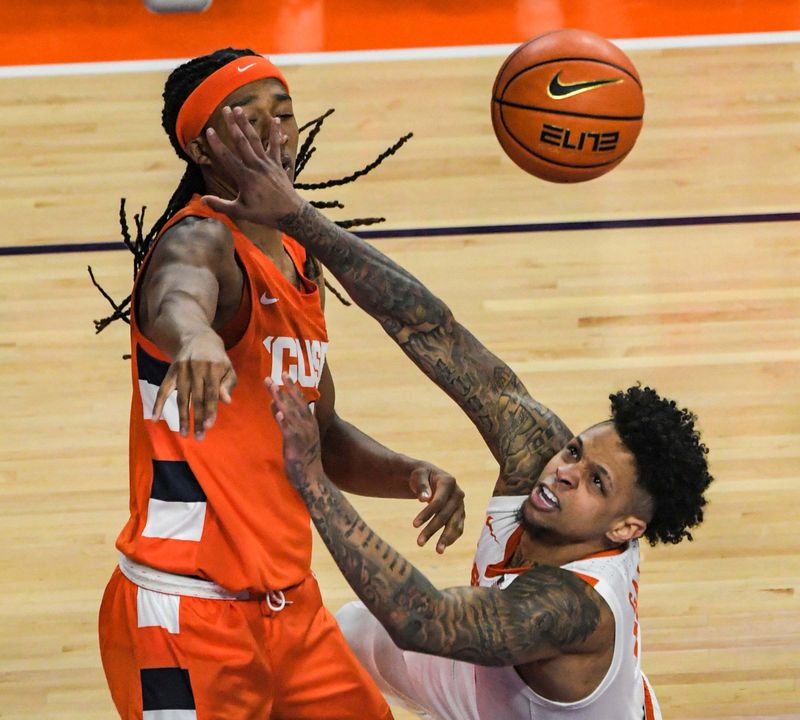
[(522, 434), (544, 612)]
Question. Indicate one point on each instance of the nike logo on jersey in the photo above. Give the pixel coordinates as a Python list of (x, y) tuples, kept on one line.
[(267, 300), (558, 90), (246, 67)]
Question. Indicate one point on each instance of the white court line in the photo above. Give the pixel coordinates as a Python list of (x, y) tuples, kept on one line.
[(429, 53)]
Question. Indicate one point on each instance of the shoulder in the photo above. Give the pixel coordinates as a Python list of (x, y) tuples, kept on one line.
[(190, 246), (195, 239)]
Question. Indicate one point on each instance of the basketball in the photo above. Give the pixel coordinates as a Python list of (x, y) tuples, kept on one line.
[(567, 106)]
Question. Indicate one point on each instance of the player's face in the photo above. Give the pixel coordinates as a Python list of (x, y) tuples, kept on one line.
[(586, 491), (262, 101)]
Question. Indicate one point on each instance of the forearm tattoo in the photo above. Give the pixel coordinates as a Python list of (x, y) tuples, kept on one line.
[(545, 609), (521, 433)]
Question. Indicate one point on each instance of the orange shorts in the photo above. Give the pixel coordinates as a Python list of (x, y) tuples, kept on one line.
[(184, 657)]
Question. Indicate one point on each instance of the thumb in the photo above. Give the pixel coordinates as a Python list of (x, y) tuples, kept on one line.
[(227, 207), (229, 381), (420, 484)]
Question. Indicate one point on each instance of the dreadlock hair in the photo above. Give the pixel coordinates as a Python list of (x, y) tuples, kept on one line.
[(670, 460), (180, 84)]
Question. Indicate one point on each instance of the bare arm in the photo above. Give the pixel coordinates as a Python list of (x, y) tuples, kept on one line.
[(545, 613), (191, 287), (359, 464), (521, 433)]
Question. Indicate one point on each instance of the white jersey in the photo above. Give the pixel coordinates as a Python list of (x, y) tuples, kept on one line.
[(437, 687)]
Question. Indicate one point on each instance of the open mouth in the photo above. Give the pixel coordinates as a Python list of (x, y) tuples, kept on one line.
[(544, 498)]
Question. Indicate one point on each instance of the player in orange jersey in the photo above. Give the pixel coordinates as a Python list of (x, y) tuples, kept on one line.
[(213, 612), (549, 627)]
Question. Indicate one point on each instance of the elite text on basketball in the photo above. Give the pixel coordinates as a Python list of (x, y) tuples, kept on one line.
[(568, 139)]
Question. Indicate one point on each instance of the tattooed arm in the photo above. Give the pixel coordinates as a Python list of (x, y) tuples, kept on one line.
[(545, 613), (521, 433)]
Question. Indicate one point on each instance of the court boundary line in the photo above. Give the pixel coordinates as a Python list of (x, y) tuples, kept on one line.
[(400, 54), (507, 228)]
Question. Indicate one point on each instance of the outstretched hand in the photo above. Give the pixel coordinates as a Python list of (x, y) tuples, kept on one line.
[(301, 445), (266, 193), (202, 375)]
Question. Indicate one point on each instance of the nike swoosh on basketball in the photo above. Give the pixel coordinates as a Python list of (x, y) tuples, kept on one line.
[(267, 300), (246, 67), (558, 90)]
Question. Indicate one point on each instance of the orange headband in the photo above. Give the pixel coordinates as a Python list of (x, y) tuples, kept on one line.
[(205, 98)]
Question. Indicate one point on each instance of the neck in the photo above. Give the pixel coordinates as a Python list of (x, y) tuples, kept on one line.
[(266, 239), (541, 549)]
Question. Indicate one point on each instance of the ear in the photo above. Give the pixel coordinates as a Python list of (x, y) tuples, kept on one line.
[(628, 528), (198, 151)]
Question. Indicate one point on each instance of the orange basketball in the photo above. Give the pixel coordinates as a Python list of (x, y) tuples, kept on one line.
[(567, 106)]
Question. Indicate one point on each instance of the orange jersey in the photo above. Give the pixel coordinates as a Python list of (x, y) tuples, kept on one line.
[(222, 508)]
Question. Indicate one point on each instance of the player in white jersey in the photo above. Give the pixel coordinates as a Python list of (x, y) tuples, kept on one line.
[(549, 627), (445, 688)]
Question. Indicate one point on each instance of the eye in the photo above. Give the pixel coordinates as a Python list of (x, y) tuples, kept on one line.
[(573, 450), (286, 116)]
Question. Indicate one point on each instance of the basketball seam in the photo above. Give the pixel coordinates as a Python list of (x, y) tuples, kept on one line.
[(566, 112), (517, 51), (564, 59), (556, 162)]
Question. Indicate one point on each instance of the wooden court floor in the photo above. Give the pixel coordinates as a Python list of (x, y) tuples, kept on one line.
[(706, 313)]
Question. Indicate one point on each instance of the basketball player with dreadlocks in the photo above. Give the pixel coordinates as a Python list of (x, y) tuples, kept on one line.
[(213, 611), (548, 628)]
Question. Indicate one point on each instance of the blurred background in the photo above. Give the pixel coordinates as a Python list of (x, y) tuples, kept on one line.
[(678, 269)]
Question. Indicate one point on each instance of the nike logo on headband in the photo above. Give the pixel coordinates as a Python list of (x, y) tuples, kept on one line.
[(246, 67)]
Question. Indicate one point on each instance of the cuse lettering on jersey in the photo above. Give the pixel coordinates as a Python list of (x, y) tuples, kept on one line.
[(303, 360)]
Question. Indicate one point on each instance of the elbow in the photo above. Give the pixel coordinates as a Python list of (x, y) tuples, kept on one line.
[(420, 630), (408, 637)]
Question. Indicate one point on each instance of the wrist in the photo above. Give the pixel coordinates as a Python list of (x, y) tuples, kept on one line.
[(288, 220), (309, 480)]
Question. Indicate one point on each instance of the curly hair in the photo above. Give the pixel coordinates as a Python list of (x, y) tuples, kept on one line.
[(670, 459)]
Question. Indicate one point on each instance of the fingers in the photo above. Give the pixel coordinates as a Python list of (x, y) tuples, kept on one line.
[(451, 517), (227, 384), (275, 140), (245, 139), (184, 387), (445, 510), (198, 378), (437, 503), (199, 388), (230, 161), (288, 399), (256, 149), (164, 391), (453, 529)]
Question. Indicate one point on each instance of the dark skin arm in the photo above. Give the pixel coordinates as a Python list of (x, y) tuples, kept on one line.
[(190, 289), (521, 433), (359, 464), (545, 613)]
